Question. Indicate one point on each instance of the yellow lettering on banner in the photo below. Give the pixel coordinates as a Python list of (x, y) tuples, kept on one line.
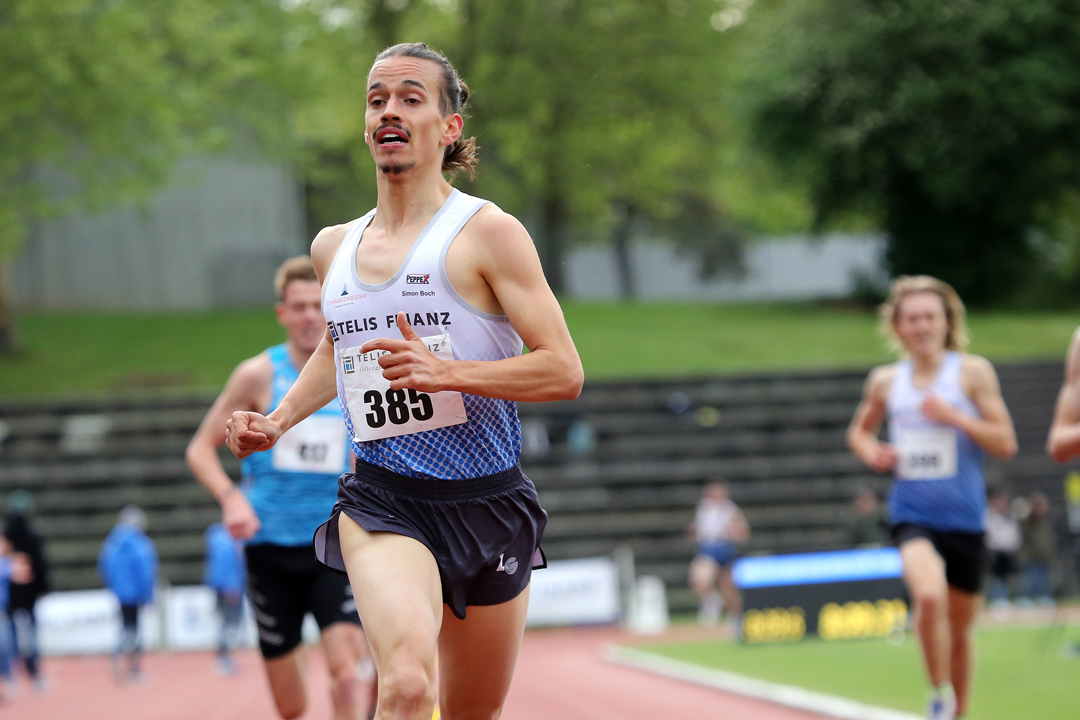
[(774, 625), (861, 619)]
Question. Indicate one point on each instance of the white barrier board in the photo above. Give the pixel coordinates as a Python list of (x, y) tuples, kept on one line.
[(575, 592), (88, 621)]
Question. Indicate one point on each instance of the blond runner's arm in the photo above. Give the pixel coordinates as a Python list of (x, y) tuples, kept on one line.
[(551, 370), (250, 432), (993, 431), (1063, 443), (862, 433)]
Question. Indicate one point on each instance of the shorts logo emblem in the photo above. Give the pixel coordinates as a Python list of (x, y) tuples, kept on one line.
[(510, 567)]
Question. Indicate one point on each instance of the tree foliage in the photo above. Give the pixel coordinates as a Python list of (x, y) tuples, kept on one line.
[(594, 117), (110, 94), (955, 123)]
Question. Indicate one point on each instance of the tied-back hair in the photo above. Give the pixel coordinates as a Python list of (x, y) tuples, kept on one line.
[(956, 339), (461, 156)]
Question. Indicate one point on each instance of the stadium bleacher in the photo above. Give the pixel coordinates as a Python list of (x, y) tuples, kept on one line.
[(622, 465)]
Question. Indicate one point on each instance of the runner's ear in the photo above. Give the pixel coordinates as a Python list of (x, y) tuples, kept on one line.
[(406, 329)]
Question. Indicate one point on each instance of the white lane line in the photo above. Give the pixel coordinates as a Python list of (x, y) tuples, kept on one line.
[(821, 703)]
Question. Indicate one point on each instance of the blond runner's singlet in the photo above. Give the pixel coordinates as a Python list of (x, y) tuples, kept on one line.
[(445, 436), (939, 476)]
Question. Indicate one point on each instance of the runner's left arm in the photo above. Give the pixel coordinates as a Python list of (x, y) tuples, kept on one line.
[(250, 432), (993, 431)]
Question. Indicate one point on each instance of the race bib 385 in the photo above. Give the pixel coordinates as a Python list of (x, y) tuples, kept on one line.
[(378, 412)]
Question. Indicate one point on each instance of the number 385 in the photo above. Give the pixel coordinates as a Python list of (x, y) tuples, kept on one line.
[(399, 406)]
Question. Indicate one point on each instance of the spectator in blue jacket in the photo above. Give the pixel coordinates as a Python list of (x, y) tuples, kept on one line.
[(128, 565), (226, 574), (6, 677)]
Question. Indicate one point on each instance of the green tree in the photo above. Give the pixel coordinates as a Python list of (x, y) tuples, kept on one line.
[(98, 99), (955, 124), (593, 114)]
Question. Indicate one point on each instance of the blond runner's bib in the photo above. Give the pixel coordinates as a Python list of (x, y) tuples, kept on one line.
[(378, 412), (315, 445), (926, 453)]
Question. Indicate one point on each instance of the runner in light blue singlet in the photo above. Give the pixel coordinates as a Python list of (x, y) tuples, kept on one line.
[(292, 503)]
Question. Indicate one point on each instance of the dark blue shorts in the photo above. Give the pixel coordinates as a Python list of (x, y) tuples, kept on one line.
[(484, 533), (724, 553)]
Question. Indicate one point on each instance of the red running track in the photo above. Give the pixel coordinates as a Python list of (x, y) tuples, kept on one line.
[(560, 676)]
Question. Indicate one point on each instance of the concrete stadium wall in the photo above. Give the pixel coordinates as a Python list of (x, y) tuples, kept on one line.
[(796, 268), (211, 238)]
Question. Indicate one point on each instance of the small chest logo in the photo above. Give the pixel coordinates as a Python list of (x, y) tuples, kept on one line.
[(333, 330), (509, 567), (347, 364), (418, 279)]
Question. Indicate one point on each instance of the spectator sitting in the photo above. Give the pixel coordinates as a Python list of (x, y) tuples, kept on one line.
[(1038, 550), (129, 566), (225, 573), (1003, 540), (718, 526), (868, 527)]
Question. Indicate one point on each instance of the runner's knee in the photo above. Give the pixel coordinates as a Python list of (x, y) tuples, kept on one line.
[(343, 682), (470, 711), (930, 599), (406, 688)]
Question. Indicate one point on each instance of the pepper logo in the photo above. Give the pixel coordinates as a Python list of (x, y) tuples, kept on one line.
[(417, 279)]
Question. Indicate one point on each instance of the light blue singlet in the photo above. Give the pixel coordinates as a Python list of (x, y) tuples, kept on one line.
[(293, 486)]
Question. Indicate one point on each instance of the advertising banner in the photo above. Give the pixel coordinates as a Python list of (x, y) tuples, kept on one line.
[(835, 595)]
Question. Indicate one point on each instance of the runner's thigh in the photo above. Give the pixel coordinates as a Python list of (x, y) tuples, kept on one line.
[(396, 585), (924, 569), (477, 657), (330, 599), (278, 586)]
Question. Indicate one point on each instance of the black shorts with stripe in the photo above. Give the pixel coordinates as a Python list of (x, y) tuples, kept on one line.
[(284, 584)]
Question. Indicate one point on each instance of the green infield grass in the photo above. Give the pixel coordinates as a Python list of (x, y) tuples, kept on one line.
[(106, 352), (1021, 673)]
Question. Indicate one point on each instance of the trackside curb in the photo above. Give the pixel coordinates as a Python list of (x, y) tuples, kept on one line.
[(799, 698)]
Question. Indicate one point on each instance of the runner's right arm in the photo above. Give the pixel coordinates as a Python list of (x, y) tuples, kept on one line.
[(250, 432), (862, 434), (1063, 444), (248, 388)]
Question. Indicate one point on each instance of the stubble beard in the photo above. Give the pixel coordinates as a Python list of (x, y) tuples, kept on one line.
[(396, 168)]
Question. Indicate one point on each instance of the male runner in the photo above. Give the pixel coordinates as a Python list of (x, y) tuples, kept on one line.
[(428, 299), (945, 411), (286, 494)]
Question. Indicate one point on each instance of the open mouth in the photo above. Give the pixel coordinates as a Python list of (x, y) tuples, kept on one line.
[(391, 136)]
